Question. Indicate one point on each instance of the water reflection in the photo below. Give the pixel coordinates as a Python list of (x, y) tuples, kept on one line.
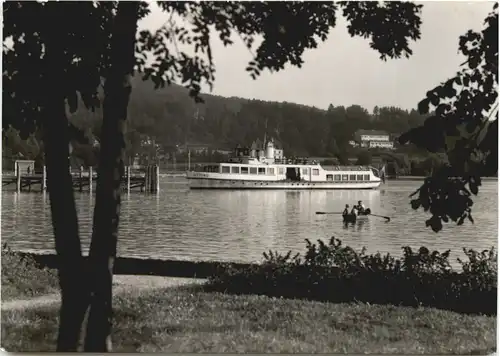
[(239, 225)]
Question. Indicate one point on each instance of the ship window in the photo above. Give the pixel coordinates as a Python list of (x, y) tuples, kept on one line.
[(253, 170), (329, 177), (244, 170), (360, 177), (225, 169), (352, 177), (281, 170), (270, 171), (336, 177), (305, 171), (315, 172), (345, 177), (235, 170), (367, 177), (211, 169), (262, 170)]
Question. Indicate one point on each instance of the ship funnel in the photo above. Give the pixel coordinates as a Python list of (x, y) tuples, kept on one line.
[(270, 150)]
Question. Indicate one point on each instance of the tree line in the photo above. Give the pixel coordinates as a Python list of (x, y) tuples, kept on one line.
[(169, 118)]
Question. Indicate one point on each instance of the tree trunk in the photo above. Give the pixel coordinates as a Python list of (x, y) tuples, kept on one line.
[(62, 204), (102, 254)]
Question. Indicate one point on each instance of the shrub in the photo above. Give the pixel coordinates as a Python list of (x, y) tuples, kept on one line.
[(337, 273), (22, 277)]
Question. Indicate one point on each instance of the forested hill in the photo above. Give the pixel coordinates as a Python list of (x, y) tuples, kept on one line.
[(172, 118)]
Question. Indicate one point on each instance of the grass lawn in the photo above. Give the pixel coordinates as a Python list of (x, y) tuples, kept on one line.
[(188, 320)]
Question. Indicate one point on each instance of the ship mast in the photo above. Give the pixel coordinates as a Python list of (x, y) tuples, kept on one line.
[(265, 135)]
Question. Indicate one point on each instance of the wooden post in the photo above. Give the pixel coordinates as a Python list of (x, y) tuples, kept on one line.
[(157, 168), (152, 178), (142, 188), (18, 177), (153, 181), (91, 178), (80, 179), (128, 179), (146, 180), (15, 168), (44, 178)]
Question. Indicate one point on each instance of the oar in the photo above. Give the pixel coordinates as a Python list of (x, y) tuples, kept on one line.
[(332, 212), (381, 216)]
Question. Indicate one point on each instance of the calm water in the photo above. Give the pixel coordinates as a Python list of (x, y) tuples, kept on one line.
[(239, 225)]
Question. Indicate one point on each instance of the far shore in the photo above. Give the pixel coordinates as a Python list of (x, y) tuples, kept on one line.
[(180, 173), (149, 266), (415, 178)]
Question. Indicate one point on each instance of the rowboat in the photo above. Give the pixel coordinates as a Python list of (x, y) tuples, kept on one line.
[(351, 218)]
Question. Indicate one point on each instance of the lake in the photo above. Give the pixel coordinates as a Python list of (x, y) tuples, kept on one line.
[(183, 224)]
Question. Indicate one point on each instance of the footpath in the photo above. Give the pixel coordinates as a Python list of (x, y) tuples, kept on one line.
[(121, 284)]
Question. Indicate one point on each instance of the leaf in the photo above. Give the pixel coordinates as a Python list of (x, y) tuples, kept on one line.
[(473, 187), (415, 204), (436, 224), (72, 102)]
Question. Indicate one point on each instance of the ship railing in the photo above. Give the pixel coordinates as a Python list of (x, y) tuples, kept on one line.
[(291, 161), (348, 168)]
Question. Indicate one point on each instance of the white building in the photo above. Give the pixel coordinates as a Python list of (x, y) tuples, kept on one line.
[(374, 139), (259, 149), (381, 144)]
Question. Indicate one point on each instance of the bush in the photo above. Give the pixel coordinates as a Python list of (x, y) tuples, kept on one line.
[(22, 277), (337, 273)]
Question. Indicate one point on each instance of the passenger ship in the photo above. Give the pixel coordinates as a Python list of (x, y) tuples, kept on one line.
[(266, 169)]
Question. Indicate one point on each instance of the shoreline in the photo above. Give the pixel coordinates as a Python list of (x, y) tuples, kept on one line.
[(416, 178), (182, 173), (149, 266), (161, 268)]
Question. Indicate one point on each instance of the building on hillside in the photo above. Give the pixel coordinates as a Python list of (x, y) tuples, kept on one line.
[(200, 148), (373, 139), (278, 149), (259, 148), (196, 148)]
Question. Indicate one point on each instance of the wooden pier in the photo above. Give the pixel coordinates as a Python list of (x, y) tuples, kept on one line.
[(26, 178)]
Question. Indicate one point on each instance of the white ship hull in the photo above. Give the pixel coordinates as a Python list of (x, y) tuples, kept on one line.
[(210, 183)]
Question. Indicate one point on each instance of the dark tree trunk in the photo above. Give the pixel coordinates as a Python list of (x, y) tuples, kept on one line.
[(62, 202), (102, 254), (67, 241)]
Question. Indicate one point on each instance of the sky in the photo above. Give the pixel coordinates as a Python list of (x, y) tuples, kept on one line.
[(345, 70)]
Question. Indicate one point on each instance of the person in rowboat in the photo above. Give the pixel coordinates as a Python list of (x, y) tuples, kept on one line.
[(346, 210), (354, 210), (360, 207)]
